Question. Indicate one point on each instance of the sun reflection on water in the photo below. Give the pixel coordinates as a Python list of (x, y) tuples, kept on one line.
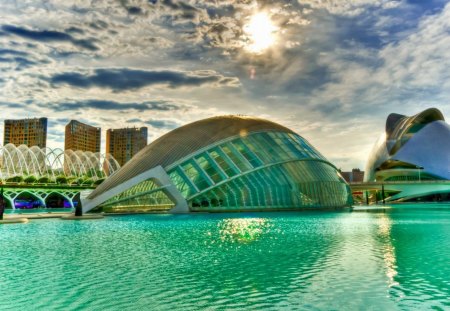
[(384, 230), (243, 230)]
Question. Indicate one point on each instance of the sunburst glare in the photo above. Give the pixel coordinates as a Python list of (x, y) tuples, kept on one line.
[(260, 32)]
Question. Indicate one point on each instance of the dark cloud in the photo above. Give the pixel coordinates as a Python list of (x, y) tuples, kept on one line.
[(123, 79), (20, 62), (99, 25), (12, 105), (49, 36), (159, 124), (62, 120), (179, 5), (75, 30), (162, 124), (113, 105), (179, 10), (12, 52), (134, 10), (134, 120)]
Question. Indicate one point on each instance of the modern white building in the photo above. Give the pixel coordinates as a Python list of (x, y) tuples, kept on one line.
[(413, 149)]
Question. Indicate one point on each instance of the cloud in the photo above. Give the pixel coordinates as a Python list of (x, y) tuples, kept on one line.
[(350, 7), (49, 36), (162, 124), (62, 121), (334, 63), (159, 123), (12, 52), (134, 10), (407, 72), (119, 106), (12, 105), (123, 79), (75, 30), (21, 62), (183, 9)]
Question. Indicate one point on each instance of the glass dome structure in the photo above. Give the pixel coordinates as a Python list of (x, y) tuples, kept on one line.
[(227, 163)]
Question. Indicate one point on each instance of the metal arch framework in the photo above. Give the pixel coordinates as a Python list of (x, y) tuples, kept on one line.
[(24, 161)]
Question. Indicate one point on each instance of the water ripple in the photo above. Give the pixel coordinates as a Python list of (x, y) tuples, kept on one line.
[(266, 261)]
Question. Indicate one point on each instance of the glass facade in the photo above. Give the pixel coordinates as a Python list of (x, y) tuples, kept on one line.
[(260, 171), (265, 170), (143, 196)]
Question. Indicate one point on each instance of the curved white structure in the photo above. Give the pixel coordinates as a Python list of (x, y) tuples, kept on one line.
[(33, 161), (220, 164), (412, 149)]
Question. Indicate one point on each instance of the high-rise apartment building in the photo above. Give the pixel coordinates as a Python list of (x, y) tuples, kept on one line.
[(80, 136), (124, 143), (30, 132), (356, 175)]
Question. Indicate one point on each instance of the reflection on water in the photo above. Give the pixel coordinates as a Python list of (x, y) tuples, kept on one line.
[(243, 230), (276, 261), (386, 247)]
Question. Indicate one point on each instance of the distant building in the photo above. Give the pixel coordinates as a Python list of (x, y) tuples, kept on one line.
[(30, 132), (354, 176), (80, 136), (124, 143)]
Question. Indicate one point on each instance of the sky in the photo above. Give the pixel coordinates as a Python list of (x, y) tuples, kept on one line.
[(331, 70)]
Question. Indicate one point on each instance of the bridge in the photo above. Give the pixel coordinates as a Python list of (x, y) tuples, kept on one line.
[(25, 196), (399, 190)]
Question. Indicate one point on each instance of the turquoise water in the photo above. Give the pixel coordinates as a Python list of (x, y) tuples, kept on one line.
[(399, 260)]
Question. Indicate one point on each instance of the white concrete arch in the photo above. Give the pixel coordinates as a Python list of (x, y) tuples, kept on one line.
[(46, 162), (161, 179), (17, 160), (21, 152), (87, 164), (94, 159), (34, 167), (8, 168)]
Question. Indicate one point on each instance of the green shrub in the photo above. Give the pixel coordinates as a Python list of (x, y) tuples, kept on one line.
[(15, 179), (30, 179), (61, 179)]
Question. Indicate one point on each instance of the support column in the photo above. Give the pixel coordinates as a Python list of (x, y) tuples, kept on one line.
[(79, 207), (2, 204)]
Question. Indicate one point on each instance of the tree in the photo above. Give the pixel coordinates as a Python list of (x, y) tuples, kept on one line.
[(30, 179), (61, 179)]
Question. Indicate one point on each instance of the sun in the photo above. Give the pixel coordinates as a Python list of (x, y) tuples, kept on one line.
[(260, 32)]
